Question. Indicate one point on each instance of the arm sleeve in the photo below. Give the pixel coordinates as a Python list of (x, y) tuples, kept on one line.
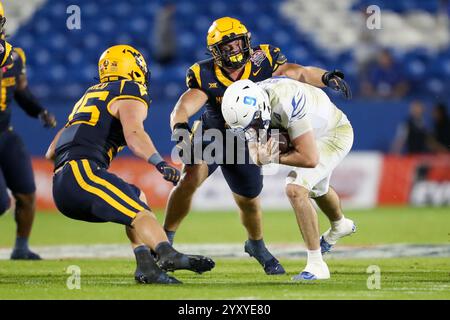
[(298, 127), (193, 80), (298, 121), (278, 57), (28, 102), (133, 90), (21, 60)]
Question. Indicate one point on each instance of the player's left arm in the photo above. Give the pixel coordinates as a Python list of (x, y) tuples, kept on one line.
[(311, 75), (27, 101), (50, 154), (132, 114), (304, 153)]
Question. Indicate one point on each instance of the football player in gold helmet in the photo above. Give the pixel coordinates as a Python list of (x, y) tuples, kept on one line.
[(5, 47), (108, 117), (234, 58), (16, 173)]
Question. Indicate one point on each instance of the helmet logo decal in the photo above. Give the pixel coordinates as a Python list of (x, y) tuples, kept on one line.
[(251, 101)]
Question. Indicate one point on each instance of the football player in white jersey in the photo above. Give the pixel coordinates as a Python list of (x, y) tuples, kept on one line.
[(320, 137)]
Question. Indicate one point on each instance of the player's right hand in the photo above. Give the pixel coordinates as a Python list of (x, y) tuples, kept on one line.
[(48, 120), (268, 153), (335, 80), (169, 173), (182, 132)]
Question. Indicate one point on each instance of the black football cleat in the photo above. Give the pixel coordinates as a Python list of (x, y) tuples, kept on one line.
[(18, 254), (147, 271), (161, 278), (271, 266), (179, 261)]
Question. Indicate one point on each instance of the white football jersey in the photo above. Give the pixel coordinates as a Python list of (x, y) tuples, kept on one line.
[(299, 107)]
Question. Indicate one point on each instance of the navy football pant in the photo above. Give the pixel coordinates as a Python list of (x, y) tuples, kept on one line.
[(16, 172), (82, 190)]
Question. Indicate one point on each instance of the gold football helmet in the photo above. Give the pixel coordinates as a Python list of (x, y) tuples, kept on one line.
[(2, 20), (123, 62), (223, 31)]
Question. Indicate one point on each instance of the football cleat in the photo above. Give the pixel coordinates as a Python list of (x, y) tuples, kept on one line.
[(179, 261), (161, 278), (18, 254), (314, 271), (147, 271), (271, 266), (330, 237)]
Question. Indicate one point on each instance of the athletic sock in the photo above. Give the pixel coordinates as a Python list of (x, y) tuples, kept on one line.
[(141, 248), (314, 256), (338, 224), (170, 235), (145, 264), (165, 249), (261, 249), (167, 253), (21, 244), (140, 252)]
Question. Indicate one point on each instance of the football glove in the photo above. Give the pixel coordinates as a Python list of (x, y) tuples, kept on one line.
[(335, 80), (47, 119), (169, 173), (182, 144)]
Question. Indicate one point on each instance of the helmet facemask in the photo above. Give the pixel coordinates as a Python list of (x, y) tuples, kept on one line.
[(140, 62), (2, 27), (229, 59)]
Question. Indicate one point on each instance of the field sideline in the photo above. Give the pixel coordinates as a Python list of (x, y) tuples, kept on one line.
[(375, 226), (237, 278)]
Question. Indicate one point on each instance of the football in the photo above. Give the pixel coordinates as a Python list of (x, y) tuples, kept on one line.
[(284, 143)]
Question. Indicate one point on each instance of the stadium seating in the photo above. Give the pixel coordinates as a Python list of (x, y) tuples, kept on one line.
[(67, 60), (62, 63)]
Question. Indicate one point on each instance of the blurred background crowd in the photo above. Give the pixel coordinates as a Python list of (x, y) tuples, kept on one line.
[(399, 71)]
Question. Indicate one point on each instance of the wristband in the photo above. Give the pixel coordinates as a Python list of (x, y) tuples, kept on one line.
[(155, 159)]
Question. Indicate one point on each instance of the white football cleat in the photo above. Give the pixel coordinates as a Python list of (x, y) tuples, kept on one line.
[(314, 271), (331, 236)]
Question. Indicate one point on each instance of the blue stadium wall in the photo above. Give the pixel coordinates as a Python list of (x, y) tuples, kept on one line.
[(374, 122)]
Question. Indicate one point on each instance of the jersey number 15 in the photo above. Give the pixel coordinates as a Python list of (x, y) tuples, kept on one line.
[(84, 113)]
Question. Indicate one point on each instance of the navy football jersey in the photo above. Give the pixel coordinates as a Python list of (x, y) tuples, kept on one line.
[(211, 79), (92, 132), (11, 73), (5, 53)]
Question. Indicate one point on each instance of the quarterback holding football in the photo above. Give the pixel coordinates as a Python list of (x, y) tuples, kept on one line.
[(320, 136)]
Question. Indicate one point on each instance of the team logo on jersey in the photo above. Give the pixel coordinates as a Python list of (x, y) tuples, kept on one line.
[(213, 85), (258, 57)]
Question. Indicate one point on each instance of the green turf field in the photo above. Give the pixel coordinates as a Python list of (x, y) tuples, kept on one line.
[(401, 278), (375, 226), (407, 278)]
